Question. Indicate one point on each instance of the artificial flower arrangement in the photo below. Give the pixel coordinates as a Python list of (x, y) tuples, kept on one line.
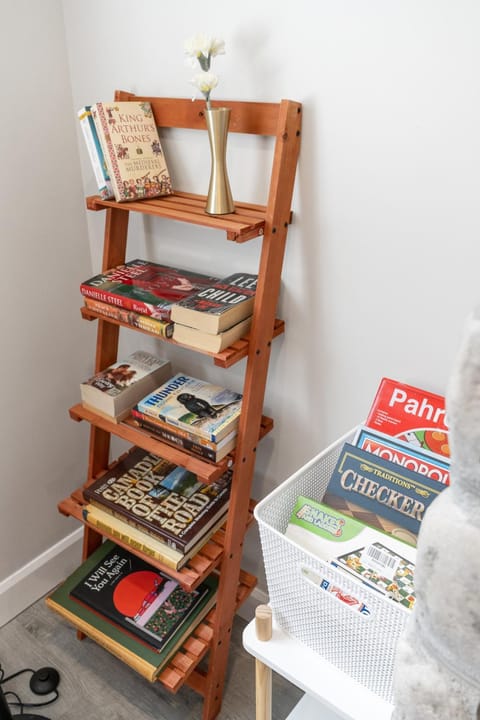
[(202, 48)]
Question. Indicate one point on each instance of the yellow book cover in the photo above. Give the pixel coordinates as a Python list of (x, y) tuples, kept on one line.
[(132, 149)]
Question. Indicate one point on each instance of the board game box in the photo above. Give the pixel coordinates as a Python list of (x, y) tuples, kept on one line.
[(410, 414), (376, 559), (380, 493), (405, 454)]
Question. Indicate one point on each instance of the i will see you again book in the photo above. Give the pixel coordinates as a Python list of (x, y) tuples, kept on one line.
[(133, 152)]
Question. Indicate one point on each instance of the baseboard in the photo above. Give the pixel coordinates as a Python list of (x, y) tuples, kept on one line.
[(36, 578)]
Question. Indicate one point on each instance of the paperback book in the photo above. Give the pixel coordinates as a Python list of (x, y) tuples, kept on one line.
[(145, 287), (207, 341), (435, 467), (136, 651), (162, 328), (210, 411), (218, 307), (213, 451), (410, 414), (137, 539), (132, 149), (380, 493), (160, 498), (378, 560), (114, 391), (95, 153)]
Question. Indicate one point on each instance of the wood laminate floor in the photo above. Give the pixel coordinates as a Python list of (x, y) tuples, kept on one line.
[(96, 686)]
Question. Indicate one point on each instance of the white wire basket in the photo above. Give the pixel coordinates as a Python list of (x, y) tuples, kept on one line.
[(362, 646)]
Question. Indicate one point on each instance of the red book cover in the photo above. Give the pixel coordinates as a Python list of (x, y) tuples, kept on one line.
[(411, 414), (145, 287)]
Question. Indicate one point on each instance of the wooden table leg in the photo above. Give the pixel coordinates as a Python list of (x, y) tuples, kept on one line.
[(263, 674)]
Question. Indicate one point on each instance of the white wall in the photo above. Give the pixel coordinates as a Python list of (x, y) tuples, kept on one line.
[(44, 257), (382, 260)]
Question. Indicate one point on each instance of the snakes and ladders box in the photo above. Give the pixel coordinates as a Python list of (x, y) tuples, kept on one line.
[(380, 493), (376, 559), (410, 414)]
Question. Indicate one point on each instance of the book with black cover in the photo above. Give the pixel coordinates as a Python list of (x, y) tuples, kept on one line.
[(215, 308), (140, 598), (161, 498)]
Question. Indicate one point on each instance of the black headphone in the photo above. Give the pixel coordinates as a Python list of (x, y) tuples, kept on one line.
[(43, 681)]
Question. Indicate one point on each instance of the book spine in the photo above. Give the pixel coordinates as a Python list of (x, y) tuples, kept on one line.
[(175, 439), (101, 124), (129, 658), (175, 544), (162, 328), (117, 534), (177, 431), (95, 153), (121, 301)]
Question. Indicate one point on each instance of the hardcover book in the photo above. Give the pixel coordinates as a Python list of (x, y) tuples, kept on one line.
[(160, 498), (140, 598), (95, 153), (186, 440), (380, 493), (145, 543), (132, 149), (145, 287), (376, 559), (207, 341), (435, 467), (114, 391), (162, 328), (142, 656), (410, 414), (220, 306), (208, 410)]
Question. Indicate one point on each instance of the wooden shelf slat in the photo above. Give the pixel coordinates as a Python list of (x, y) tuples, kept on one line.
[(246, 223), (225, 358), (190, 575)]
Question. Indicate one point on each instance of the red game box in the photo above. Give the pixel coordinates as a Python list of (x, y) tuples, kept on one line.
[(410, 414)]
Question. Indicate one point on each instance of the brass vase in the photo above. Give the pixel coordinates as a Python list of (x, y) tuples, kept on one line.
[(219, 199)]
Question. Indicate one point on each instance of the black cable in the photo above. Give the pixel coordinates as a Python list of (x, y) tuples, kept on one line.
[(30, 705), (19, 702), (13, 675)]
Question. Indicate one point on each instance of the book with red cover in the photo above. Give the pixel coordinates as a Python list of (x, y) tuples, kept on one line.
[(145, 287), (410, 414)]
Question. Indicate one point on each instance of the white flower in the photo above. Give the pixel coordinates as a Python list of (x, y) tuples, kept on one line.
[(202, 48), (205, 82)]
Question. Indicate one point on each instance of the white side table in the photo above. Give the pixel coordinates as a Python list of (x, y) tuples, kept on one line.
[(329, 693)]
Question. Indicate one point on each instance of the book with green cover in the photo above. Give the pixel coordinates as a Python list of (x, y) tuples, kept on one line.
[(104, 570)]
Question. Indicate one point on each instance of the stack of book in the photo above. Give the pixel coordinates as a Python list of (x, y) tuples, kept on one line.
[(193, 414), (136, 611), (216, 316), (369, 517), (141, 293), (155, 506)]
